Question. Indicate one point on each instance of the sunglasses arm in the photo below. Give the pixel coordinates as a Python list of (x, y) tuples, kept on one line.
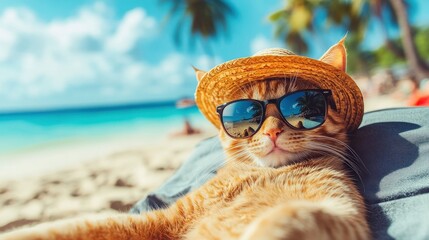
[(331, 103)]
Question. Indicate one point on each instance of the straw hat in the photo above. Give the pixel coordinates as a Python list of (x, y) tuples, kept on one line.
[(221, 83)]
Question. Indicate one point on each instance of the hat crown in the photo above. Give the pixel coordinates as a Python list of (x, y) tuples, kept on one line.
[(274, 52)]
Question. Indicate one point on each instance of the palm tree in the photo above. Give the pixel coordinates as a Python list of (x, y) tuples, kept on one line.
[(377, 7), (399, 16), (311, 104), (417, 65), (296, 20), (255, 109), (207, 17)]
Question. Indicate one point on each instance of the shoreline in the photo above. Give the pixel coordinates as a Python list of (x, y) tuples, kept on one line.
[(56, 155)]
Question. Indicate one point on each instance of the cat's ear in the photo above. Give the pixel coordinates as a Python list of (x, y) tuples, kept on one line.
[(198, 73), (336, 55)]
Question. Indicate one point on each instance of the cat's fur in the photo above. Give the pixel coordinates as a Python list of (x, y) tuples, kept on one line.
[(297, 188)]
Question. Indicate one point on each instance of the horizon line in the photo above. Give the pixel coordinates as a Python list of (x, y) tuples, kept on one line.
[(90, 108)]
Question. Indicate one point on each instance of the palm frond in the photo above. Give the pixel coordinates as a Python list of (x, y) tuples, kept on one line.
[(205, 18)]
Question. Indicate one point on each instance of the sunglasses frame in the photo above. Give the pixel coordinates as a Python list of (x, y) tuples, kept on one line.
[(327, 93)]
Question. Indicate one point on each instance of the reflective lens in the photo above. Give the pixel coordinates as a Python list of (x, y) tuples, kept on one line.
[(242, 118), (304, 109)]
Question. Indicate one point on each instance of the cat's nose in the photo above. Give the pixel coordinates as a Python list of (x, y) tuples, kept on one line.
[(273, 133)]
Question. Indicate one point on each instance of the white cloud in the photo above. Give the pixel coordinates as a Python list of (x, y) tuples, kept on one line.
[(91, 23), (261, 42), (88, 52), (130, 30)]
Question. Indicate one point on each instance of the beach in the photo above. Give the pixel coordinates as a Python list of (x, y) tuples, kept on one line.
[(104, 174), (64, 163), (105, 182)]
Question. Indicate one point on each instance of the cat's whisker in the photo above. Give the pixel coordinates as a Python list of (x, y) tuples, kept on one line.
[(243, 90), (254, 92), (209, 168), (351, 151), (331, 150), (239, 156), (339, 150), (231, 160), (341, 154), (291, 82), (336, 143)]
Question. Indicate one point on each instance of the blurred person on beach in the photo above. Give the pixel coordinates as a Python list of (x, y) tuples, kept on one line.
[(420, 94), (187, 129)]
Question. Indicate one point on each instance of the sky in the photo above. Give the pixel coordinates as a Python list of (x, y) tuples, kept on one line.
[(76, 53)]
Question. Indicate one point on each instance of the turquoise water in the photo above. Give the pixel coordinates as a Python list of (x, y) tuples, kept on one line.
[(23, 131)]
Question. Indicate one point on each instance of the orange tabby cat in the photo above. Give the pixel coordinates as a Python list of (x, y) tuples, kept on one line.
[(280, 183)]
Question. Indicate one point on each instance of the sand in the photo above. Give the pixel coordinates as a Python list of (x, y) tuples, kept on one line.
[(108, 176)]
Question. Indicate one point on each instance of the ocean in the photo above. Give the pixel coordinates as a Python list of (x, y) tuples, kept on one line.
[(26, 131)]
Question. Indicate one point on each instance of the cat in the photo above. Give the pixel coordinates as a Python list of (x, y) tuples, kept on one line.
[(277, 184)]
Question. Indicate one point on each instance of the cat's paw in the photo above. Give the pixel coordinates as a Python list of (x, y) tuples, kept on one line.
[(273, 229), (291, 221)]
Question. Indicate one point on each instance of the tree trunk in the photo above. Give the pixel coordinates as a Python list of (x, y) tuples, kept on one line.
[(397, 51), (417, 66)]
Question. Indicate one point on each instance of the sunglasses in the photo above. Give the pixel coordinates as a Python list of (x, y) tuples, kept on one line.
[(301, 110)]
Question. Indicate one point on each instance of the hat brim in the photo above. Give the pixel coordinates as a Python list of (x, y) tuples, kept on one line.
[(219, 84)]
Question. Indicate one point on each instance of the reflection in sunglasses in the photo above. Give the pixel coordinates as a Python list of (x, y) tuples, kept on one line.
[(301, 110), (241, 128)]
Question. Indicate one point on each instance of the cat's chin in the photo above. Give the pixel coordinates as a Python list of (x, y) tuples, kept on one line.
[(277, 158)]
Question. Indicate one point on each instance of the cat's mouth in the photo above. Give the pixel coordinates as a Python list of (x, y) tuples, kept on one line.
[(276, 157), (277, 150)]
